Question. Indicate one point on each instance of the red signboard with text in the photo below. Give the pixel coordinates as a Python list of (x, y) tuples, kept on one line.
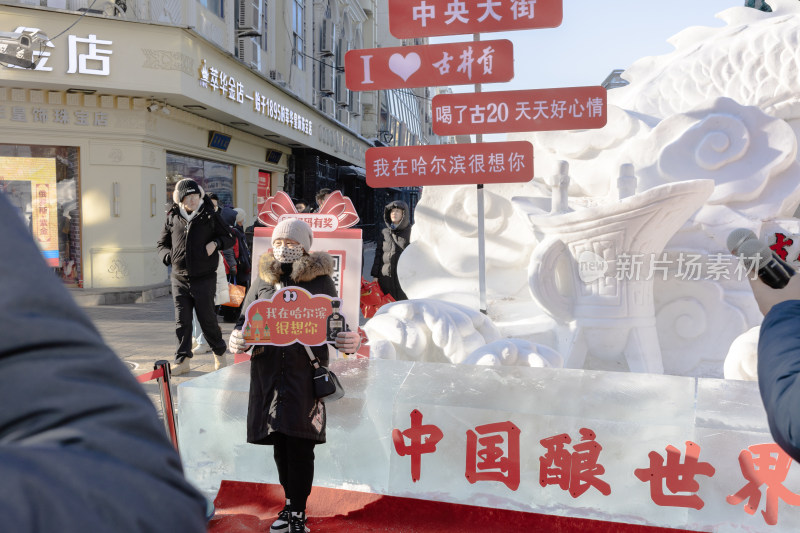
[(569, 108), (423, 66), (450, 164), (427, 18)]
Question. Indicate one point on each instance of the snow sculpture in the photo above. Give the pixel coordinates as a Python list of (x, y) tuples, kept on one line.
[(722, 106)]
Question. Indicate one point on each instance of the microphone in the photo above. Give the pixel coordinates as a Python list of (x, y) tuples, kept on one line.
[(737, 237), (771, 270)]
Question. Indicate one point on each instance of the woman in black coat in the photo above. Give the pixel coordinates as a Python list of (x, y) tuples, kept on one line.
[(282, 409), (394, 239)]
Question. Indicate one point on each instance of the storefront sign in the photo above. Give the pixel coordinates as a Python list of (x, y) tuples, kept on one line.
[(61, 116), (218, 141), (422, 66), (426, 18), (341, 143), (85, 55), (217, 80), (569, 108), (30, 184), (450, 164)]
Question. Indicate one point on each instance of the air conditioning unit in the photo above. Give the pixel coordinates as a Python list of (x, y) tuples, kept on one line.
[(326, 80), (343, 116), (326, 37), (249, 52), (328, 105), (249, 15), (342, 97)]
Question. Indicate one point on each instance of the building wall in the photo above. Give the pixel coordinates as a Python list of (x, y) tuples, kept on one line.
[(124, 152)]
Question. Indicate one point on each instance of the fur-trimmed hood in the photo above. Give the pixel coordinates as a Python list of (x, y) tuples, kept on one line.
[(304, 269)]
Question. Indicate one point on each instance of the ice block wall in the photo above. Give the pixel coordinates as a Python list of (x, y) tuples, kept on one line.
[(602, 445)]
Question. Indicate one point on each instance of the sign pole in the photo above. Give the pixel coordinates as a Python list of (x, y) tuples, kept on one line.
[(481, 236)]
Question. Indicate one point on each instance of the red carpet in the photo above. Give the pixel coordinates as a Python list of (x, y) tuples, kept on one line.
[(250, 507)]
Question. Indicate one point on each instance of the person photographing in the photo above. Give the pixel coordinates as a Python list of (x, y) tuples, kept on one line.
[(777, 292), (283, 411)]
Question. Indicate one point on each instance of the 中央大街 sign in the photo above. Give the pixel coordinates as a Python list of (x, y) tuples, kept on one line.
[(427, 18), (450, 164)]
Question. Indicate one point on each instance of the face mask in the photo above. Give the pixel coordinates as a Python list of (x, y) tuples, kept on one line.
[(284, 254)]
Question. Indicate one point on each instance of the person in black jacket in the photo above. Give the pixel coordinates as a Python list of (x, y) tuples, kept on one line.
[(190, 241), (779, 361), (394, 239), (81, 446), (282, 409)]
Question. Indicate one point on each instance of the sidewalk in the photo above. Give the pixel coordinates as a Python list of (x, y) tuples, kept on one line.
[(143, 333)]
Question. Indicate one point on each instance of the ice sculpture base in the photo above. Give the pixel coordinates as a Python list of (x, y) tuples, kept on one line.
[(631, 415)]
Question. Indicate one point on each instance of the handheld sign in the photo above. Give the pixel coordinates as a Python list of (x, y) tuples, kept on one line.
[(450, 164), (294, 315), (435, 64), (569, 108), (427, 18)]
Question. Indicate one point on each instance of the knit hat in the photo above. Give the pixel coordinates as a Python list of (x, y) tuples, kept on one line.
[(296, 230), (184, 188)]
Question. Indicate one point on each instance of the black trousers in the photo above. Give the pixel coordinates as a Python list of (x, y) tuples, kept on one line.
[(191, 293), (294, 457)]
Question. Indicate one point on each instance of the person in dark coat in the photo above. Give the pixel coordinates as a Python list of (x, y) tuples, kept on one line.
[(81, 446), (779, 361), (193, 235), (394, 239), (283, 410)]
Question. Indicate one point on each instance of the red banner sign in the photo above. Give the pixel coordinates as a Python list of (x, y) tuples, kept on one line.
[(450, 164), (424, 66), (570, 108), (426, 18)]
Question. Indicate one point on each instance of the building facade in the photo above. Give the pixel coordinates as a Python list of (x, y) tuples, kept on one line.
[(128, 97)]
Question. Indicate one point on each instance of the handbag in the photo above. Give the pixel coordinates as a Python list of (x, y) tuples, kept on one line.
[(237, 293), (326, 385)]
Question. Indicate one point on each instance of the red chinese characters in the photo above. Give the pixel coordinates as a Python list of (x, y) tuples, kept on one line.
[(782, 242), (435, 64), (569, 108), (679, 477), (425, 18), (490, 462), (764, 464), (422, 439), (450, 164), (574, 471)]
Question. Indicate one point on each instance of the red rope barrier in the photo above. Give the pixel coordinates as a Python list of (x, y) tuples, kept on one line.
[(155, 374)]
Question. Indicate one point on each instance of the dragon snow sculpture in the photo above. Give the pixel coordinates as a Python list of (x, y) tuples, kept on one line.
[(723, 107)]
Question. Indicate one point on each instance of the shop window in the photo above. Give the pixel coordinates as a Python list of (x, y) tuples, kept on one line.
[(43, 183), (212, 176)]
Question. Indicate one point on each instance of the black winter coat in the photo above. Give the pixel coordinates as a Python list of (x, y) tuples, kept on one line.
[(81, 446), (183, 243), (391, 244), (281, 391)]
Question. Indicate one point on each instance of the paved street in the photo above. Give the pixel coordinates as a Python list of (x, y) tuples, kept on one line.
[(143, 333)]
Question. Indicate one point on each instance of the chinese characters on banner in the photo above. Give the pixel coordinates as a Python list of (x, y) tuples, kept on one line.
[(421, 66), (427, 18), (450, 164), (508, 111), (291, 315), (493, 455)]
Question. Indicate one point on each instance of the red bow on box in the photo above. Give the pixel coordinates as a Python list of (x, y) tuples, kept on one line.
[(336, 206)]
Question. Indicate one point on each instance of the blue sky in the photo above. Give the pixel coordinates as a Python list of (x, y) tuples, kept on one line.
[(596, 37)]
